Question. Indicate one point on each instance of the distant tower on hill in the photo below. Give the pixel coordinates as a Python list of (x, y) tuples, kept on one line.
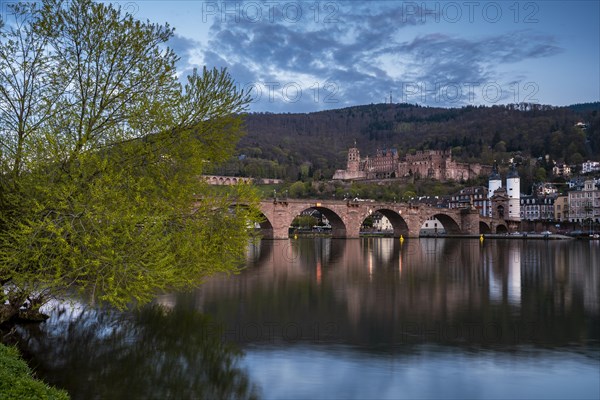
[(513, 189), (353, 164)]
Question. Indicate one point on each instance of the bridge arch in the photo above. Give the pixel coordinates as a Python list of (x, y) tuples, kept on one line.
[(266, 228), (450, 225), (338, 227), (501, 228), (484, 228), (398, 223)]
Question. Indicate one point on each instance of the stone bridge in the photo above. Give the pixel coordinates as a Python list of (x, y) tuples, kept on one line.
[(346, 217)]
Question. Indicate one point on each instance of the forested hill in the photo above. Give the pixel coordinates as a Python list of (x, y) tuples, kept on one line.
[(314, 145)]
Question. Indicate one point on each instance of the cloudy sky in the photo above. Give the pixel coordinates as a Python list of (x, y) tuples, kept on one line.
[(315, 55)]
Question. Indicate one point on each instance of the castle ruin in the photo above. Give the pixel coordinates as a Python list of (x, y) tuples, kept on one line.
[(386, 164)]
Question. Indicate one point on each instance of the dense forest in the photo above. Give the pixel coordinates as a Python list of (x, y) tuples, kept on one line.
[(312, 146)]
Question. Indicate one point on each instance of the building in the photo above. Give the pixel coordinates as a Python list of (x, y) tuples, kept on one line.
[(561, 208), (354, 170), (494, 183), (513, 190), (576, 183), (590, 166), (432, 227), (536, 208), (561, 170), (476, 196), (545, 189), (439, 165), (433, 164), (584, 204), (383, 165), (499, 204), (381, 223), (504, 203)]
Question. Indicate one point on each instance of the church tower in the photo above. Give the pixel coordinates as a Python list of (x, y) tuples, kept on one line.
[(513, 189)]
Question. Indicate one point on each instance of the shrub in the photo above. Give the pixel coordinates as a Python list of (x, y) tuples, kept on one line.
[(16, 381)]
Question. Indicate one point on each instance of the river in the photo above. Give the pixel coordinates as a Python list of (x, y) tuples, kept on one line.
[(369, 318)]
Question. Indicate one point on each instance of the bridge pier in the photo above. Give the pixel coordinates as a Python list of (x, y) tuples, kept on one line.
[(280, 233), (348, 233), (413, 222), (469, 221)]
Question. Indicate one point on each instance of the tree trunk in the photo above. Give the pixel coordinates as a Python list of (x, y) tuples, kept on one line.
[(12, 313)]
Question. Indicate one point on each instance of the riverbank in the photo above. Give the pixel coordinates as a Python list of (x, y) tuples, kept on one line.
[(17, 382)]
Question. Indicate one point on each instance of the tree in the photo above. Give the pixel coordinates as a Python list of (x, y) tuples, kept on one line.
[(576, 158), (297, 189), (540, 174), (408, 195), (500, 147), (304, 221), (101, 149)]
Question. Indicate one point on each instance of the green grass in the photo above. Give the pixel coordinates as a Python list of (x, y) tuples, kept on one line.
[(16, 381)]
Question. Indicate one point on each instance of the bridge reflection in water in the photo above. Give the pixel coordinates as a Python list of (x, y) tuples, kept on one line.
[(378, 290)]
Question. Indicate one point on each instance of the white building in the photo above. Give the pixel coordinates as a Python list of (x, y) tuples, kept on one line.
[(382, 223), (513, 191), (494, 183), (590, 166), (432, 226)]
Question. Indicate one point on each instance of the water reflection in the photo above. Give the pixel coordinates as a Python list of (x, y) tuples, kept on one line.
[(359, 318), (376, 292), (151, 354)]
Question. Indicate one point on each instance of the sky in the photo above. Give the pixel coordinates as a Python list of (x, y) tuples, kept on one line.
[(296, 56)]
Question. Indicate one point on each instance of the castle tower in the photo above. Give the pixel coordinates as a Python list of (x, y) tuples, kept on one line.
[(494, 183), (513, 189), (353, 164)]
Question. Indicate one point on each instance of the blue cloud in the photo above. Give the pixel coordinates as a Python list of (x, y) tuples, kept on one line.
[(360, 55)]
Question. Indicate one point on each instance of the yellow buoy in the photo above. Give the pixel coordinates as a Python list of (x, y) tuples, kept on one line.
[(295, 236), (481, 238), (401, 238)]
